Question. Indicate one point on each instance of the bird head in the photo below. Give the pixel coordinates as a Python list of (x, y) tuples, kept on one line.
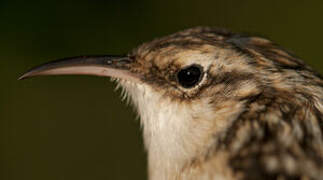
[(193, 65)]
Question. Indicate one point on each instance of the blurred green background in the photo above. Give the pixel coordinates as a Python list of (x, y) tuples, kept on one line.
[(76, 128)]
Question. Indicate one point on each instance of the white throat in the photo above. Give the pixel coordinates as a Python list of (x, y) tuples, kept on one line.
[(164, 127), (174, 132)]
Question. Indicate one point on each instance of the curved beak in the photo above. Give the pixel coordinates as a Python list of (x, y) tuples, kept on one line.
[(106, 65)]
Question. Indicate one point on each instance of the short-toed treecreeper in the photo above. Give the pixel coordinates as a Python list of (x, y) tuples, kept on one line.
[(217, 105)]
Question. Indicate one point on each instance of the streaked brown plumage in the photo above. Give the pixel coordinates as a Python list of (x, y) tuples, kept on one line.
[(255, 113)]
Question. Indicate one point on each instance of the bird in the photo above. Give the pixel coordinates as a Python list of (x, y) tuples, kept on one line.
[(216, 105)]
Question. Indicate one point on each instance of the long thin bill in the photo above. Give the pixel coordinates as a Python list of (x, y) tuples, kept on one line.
[(106, 65)]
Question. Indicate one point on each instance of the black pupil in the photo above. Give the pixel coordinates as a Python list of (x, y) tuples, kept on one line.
[(189, 77)]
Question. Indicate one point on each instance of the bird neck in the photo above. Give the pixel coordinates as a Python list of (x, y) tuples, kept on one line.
[(177, 132)]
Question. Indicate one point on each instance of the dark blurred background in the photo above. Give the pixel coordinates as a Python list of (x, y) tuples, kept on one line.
[(76, 128)]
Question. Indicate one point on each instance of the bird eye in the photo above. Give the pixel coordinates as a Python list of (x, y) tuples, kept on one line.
[(190, 76)]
